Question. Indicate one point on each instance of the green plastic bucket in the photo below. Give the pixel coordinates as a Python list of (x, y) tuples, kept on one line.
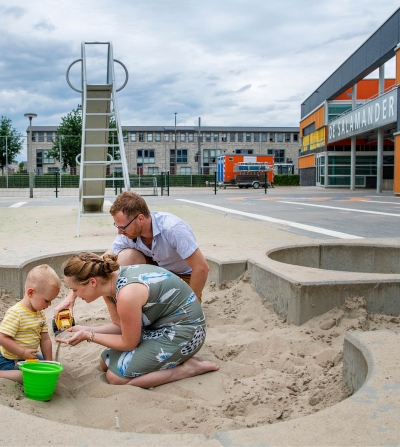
[(40, 379)]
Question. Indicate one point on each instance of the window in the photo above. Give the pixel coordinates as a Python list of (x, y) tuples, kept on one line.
[(133, 137), (145, 156), (49, 137), (271, 137), (41, 137), (42, 157), (264, 137), (173, 137), (232, 137), (240, 137), (244, 151), (190, 137), (149, 136), (210, 155), (208, 137), (183, 137), (287, 137), (141, 136), (216, 137), (295, 137), (248, 137), (166, 137), (125, 137), (33, 136), (152, 170), (181, 156), (47, 159), (279, 155), (224, 138), (158, 136), (186, 170), (52, 170), (280, 138), (256, 137), (334, 110)]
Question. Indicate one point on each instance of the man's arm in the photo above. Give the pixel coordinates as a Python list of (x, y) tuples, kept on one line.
[(200, 270)]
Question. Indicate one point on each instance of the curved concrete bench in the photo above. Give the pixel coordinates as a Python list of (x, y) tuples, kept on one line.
[(368, 417), (302, 282)]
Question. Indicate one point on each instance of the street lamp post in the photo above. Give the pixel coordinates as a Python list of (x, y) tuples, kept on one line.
[(28, 145), (199, 148), (175, 159), (6, 163), (60, 148), (6, 137)]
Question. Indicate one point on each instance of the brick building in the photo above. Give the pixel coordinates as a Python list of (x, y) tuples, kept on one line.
[(152, 149)]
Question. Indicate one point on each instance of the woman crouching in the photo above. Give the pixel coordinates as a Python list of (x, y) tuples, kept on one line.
[(157, 326)]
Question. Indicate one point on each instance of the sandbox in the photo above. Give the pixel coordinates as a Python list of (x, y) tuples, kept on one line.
[(369, 416)]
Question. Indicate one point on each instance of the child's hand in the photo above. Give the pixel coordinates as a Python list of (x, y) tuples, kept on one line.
[(30, 354)]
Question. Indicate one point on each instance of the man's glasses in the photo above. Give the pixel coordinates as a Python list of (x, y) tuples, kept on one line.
[(123, 229)]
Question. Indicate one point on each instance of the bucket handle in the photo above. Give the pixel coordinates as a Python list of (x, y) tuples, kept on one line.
[(38, 361)]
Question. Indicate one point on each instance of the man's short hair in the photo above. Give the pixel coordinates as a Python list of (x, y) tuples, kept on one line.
[(131, 205)]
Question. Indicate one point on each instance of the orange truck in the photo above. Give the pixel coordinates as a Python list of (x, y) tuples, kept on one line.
[(245, 171)]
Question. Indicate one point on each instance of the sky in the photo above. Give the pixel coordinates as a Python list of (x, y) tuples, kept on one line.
[(229, 62)]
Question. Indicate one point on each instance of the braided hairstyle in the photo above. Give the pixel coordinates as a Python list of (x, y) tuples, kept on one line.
[(86, 265)]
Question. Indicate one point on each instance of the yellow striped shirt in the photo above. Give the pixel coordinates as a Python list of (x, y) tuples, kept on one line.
[(24, 326)]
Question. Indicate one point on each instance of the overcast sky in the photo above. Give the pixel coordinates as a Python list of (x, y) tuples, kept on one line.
[(230, 62)]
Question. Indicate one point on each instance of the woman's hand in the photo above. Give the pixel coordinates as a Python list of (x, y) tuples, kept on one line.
[(67, 303), (79, 335), (78, 327)]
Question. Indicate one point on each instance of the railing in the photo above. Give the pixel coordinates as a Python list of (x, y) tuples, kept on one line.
[(366, 101)]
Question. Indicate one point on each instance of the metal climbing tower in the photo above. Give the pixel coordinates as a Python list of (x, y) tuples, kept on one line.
[(99, 109)]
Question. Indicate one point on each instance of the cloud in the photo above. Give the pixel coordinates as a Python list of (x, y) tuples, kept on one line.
[(242, 62), (44, 26), (12, 11)]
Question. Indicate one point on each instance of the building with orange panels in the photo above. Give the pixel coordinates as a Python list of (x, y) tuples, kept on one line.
[(350, 125)]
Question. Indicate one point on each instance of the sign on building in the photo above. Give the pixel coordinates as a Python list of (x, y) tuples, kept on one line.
[(374, 114)]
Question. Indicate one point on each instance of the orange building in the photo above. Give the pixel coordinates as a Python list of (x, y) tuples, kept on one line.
[(349, 126)]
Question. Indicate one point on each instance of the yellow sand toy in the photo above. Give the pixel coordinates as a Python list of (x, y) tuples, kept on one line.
[(63, 321)]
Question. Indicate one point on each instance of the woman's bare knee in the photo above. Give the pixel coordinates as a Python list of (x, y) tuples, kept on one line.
[(103, 365)]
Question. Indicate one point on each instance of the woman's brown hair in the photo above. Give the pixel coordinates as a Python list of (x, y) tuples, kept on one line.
[(86, 265)]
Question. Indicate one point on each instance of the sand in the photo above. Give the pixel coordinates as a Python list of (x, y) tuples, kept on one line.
[(270, 371)]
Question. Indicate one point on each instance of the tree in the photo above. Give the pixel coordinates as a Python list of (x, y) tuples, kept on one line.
[(10, 139), (70, 135)]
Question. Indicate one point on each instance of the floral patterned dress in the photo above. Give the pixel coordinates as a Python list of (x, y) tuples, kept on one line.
[(173, 323)]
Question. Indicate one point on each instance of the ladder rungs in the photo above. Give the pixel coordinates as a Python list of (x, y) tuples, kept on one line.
[(98, 99), (99, 114), (101, 178), (112, 129), (102, 145)]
